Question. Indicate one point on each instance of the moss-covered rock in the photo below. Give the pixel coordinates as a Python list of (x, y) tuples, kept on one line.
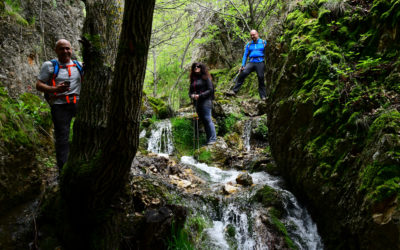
[(270, 197), (26, 147), (161, 109), (332, 110)]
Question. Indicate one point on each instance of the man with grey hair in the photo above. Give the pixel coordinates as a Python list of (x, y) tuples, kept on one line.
[(255, 51), (60, 79)]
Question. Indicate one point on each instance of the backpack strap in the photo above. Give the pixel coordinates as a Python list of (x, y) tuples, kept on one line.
[(79, 67), (56, 67)]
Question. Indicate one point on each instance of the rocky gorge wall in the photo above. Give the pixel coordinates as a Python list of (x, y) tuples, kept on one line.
[(333, 77), (29, 30)]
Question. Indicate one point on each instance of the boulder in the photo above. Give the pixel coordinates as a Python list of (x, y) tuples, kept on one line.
[(229, 189), (244, 179)]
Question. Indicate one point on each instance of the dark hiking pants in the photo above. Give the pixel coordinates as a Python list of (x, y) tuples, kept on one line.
[(62, 115), (250, 67), (204, 109)]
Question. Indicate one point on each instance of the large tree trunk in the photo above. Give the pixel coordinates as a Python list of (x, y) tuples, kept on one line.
[(90, 187), (101, 31)]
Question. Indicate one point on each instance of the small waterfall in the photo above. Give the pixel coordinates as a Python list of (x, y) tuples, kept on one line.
[(160, 141), (243, 219), (246, 134)]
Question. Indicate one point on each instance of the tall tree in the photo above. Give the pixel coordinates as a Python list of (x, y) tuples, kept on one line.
[(90, 187), (100, 36)]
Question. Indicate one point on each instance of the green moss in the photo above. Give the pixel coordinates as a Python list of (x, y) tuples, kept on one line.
[(205, 156), (12, 8), (160, 108), (261, 131), (190, 235), (280, 227), (387, 122), (268, 197), (95, 40), (228, 123)]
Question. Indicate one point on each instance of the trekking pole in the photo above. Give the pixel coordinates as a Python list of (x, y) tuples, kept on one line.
[(194, 129), (197, 129), (235, 80)]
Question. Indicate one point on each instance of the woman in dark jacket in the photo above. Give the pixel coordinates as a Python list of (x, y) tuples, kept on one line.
[(201, 92)]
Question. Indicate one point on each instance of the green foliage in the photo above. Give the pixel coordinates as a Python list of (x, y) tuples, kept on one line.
[(261, 131), (190, 235), (95, 40), (229, 122), (21, 120), (13, 9), (369, 63), (182, 130), (350, 66)]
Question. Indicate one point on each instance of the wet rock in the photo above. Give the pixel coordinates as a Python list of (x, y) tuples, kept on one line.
[(244, 179), (253, 107), (269, 197), (222, 108), (25, 47), (153, 229), (229, 189)]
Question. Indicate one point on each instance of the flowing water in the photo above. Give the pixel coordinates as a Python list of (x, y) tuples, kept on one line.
[(246, 134), (238, 214), (234, 213), (160, 141)]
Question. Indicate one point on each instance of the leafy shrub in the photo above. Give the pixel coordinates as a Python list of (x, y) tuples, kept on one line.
[(182, 130), (21, 119)]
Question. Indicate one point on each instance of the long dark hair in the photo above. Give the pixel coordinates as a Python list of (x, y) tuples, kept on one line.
[(204, 74)]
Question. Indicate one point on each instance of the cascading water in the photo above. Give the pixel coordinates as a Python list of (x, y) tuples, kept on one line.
[(160, 141), (246, 134), (236, 214)]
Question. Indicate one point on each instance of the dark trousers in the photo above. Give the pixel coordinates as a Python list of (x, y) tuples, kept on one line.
[(250, 67), (62, 115), (203, 109)]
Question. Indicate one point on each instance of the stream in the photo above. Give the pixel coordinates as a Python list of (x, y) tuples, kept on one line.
[(235, 212)]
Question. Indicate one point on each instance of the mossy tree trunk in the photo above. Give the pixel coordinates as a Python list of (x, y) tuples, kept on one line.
[(100, 36), (91, 187)]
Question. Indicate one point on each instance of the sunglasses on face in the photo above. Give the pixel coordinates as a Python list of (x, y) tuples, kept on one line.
[(197, 66)]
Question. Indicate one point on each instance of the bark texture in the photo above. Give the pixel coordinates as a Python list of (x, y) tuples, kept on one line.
[(100, 36), (91, 187)]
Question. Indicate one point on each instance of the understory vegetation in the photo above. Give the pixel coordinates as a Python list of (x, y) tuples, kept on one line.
[(352, 80), (23, 120)]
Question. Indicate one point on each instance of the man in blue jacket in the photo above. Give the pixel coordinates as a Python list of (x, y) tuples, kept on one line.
[(255, 51)]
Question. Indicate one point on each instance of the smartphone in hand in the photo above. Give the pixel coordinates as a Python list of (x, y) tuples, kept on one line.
[(67, 83)]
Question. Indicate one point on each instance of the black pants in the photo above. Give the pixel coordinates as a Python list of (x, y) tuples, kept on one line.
[(250, 67), (62, 115)]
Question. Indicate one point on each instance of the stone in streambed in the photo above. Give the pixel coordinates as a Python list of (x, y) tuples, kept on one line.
[(229, 189), (244, 179)]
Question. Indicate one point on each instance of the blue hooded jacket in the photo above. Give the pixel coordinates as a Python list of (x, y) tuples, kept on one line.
[(255, 51)]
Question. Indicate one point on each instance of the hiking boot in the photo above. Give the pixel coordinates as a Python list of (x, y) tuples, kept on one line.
[(231, 93), (211, 142)]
